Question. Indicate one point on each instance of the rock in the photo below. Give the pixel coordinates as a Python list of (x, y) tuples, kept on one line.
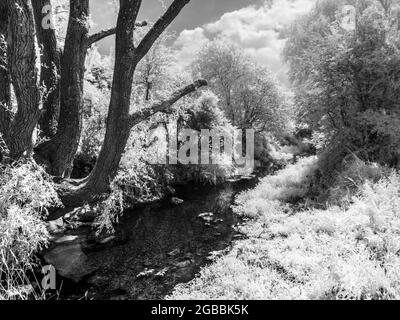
[(162, 272), (174, 253), (69, 261), (176, 201), (107, 240), (249, 177), (207, 216), (145, 273), (65, 239), (56, 226)]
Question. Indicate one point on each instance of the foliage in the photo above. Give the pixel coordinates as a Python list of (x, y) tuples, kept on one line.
[(25, 193), (249, 95), (311, 254), (347, 80)]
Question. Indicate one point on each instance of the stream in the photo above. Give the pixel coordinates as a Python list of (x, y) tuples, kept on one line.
[(156, 248)]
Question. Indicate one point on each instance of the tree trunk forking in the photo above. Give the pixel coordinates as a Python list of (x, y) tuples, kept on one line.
[(58, 152)]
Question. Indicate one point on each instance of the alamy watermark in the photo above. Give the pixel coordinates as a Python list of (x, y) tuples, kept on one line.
[(49, 278), (47, 21), (205, 147)]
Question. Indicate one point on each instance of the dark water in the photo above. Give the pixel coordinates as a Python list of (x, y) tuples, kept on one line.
[(157, 247)]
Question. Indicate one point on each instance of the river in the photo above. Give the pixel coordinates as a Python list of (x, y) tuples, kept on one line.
[(156, 248)]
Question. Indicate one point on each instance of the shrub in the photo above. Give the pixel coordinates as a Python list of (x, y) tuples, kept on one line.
[(350, 180), (25, 193)]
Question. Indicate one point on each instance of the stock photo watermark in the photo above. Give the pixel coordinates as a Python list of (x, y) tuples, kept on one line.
[(47, 21), (49, 278), (205, 147)]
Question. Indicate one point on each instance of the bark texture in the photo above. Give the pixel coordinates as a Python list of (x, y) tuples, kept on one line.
[(5, 80), (22, 58), (59, 152), (50, 70)]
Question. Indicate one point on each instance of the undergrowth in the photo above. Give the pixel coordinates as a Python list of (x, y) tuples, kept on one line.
[(346, 251), (25, 193)]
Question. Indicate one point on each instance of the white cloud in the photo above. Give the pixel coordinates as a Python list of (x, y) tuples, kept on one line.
[(188, 43), (255, 29)]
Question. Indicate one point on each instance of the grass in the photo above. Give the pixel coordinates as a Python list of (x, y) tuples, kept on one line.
[(347, 252), (25, 193)]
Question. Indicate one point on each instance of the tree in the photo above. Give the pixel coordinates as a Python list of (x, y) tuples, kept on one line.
[(260, 103), (60, 150), (347, 80), (21, 62), (50, 67), (5, 80), (223, 64), (154, 73), (250, 96)]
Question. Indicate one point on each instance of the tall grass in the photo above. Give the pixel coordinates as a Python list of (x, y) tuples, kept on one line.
[(25, 193), (347, 252)]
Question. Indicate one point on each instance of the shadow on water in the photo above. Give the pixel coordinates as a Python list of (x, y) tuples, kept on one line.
[(163, 245)]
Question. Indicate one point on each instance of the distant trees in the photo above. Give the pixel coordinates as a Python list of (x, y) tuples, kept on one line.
[(35, 90), (249, 95), (347, 81)]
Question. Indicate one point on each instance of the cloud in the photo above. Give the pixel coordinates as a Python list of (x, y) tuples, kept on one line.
[(256, 29), (188, 43)]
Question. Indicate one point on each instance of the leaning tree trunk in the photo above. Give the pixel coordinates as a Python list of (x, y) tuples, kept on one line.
[(5, 81), (50, 68), (119, 121), (58, 153), (21, 56)]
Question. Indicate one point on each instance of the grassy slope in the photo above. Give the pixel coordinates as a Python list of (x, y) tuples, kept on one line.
[(336, 253)]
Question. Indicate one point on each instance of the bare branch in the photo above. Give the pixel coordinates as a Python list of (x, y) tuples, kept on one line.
[(165, 106), (108, 32), (158, 28)]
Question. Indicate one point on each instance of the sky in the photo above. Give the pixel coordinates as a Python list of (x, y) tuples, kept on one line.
[(253, 25)]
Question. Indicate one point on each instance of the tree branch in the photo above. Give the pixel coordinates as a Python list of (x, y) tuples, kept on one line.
[(165, 105), (158, 28), (108, 32)]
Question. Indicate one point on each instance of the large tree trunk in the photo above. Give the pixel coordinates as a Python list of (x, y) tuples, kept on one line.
[(119, 121), (59, 152), (21, 56), (5, 81), (50, 69)]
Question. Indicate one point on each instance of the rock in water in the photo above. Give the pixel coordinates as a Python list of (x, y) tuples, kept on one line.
[(68, 259), (207, 217), (176, 201)]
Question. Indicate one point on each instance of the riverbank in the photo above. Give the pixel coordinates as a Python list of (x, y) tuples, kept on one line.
[(293, 250)]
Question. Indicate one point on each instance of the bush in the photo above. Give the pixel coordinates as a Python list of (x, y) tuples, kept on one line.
[(350, 180), (25, 193)]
